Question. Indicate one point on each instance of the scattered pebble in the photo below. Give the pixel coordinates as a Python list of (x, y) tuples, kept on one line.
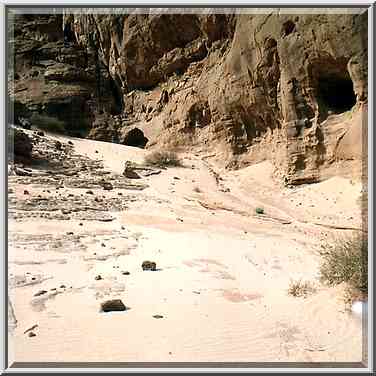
[(98, 278), (26, 192), (158, 316), (41, 292), (31, 334)]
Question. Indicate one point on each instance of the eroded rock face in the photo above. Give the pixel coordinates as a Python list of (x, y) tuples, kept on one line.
[(251, 87), (64, 81), (246, 87)]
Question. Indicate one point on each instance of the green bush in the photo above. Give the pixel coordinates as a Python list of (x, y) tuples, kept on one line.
[(163, 159), (346, 261), (259, 210), (47, 123)]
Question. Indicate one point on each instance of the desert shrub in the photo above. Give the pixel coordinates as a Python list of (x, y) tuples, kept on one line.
[(301, 288), (47, 123), (259, 210), (163, 159), (346, 261)]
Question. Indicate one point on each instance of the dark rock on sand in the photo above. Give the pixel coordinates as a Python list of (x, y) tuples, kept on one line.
[(41, 292), (107, 186), (22, 172), (113, 305), (149, 265), (129, 171)]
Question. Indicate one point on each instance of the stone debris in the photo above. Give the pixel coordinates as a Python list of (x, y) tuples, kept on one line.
[(149, 265), (113, 305), (41, 292)]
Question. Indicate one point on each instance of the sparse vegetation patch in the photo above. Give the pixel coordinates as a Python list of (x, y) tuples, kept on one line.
[(301, 288), (163, 159), (346, 261)]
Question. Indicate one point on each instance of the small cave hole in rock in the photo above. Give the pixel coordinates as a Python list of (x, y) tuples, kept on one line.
[(336, 94), (288, 27), (136, 138)]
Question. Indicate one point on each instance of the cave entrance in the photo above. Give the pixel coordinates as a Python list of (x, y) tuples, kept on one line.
[(336, 93), (136, 138)]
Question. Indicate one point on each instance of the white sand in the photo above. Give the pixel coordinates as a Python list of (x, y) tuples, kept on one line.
[(222, 287)]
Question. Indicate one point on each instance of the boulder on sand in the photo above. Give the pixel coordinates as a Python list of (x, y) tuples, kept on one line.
[(129, 171), (149, 265), (113, 305)]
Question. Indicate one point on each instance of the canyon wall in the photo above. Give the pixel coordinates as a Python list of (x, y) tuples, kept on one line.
[(283, 85)]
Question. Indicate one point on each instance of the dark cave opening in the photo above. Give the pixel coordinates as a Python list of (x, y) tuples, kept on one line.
[(288, 27), (136, 138), (336, 94)]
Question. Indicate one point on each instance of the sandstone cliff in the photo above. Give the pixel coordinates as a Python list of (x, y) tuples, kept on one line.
[(289, 87)]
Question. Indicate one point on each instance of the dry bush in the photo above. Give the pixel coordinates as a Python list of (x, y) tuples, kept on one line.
[(346, 261), (301, 288), (163, 159)]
